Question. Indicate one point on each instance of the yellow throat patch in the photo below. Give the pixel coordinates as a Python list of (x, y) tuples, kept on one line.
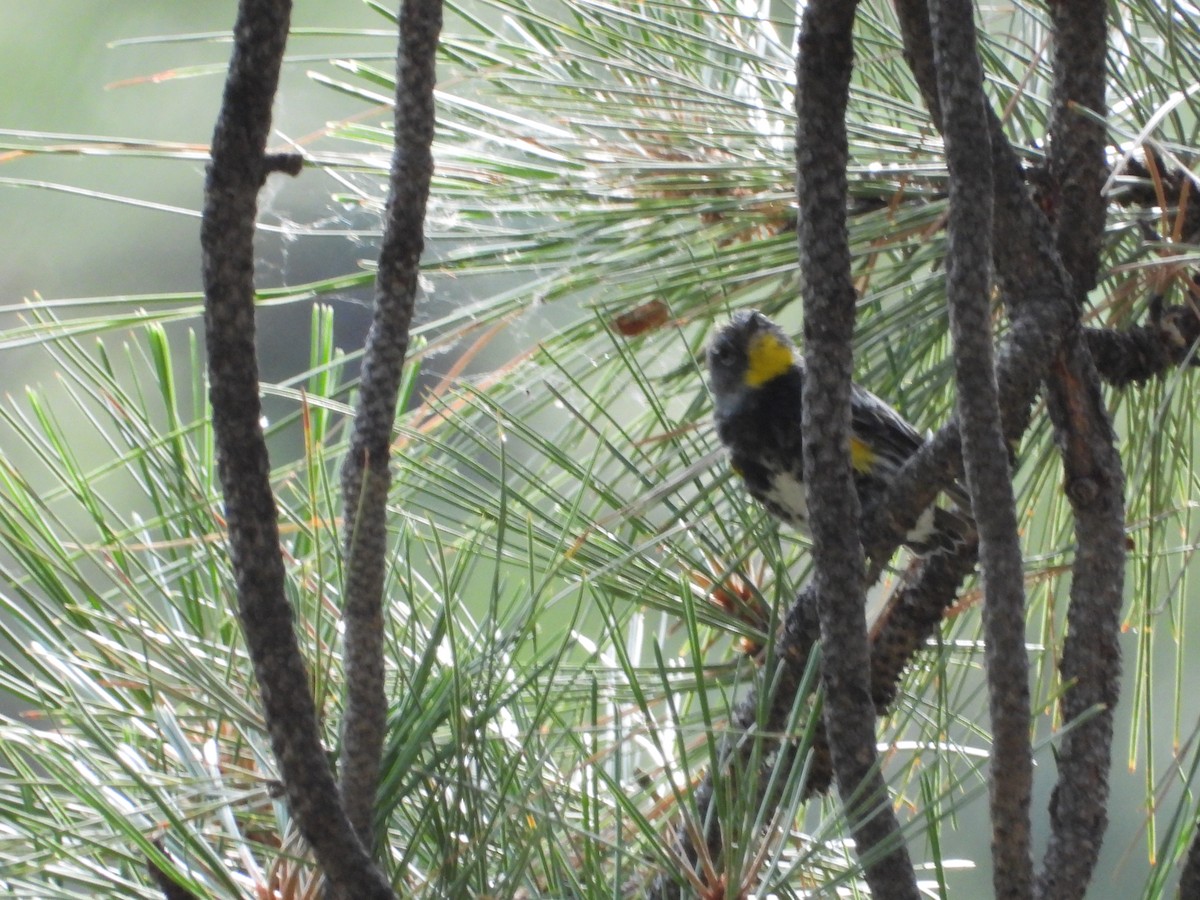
[(766, 358)]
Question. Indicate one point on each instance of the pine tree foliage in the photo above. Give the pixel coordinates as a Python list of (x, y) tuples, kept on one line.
[(579, 593)]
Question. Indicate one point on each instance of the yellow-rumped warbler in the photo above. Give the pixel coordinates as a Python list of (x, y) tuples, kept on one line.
[(757, 379)]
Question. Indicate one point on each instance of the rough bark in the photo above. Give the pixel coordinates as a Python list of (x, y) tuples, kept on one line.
[(366, 472), (1091, 665), (238, 169), (985, 451), (824, 64)]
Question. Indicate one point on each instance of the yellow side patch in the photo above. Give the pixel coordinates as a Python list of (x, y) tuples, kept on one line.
[(767, 358), (862, 457)]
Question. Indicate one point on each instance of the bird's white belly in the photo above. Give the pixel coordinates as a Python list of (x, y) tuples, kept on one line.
[(789, 494)]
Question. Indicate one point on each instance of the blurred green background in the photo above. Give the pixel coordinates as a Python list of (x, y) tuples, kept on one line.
[(94, 68)]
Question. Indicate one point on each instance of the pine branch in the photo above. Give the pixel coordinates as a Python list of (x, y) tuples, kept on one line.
[(824, 63), (1091, 658), (366, 473), (1035, 287), (985, 452), (1038, 290), (237, 172), (1146, 351), (1091, 664), (1077, 163)]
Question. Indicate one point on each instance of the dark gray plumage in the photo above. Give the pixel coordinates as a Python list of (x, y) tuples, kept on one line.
[(757, 380)]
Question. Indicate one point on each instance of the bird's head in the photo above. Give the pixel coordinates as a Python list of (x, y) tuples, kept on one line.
[(747, 354)]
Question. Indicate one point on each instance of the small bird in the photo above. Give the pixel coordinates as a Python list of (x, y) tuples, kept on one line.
[(757, 378)]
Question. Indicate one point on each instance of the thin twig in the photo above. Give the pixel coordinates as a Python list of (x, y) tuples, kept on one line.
[(366, 473), (239, 167)]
